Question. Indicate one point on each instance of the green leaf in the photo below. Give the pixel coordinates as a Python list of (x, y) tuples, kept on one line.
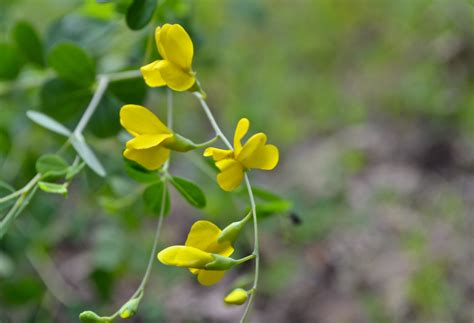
[(53, 187), (73, 170), (140, 13), (190, 191), (63, 99), (48, 123), (51, 166), (6, 189), (72, 63), (139, 173), (10, 62), (29, 43), (106, 122), (132, 91), (153, 196), (88, 156)]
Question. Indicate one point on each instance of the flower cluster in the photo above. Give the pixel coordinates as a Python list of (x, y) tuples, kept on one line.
[(207, 250)]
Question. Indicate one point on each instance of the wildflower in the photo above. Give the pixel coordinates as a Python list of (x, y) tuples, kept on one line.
[(255, 153), (237, 297), (201, 253), (152, 140), (174, 69)]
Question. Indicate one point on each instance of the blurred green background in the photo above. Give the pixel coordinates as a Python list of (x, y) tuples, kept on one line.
[(372, 105)]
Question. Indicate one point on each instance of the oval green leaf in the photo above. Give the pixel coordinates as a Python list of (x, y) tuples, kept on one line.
[(153, 196), (140, 13), (51, 166), (190, 191), (10, 62), (29, 43), (72, 63)]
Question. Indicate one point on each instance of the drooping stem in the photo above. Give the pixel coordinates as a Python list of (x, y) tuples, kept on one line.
[(255, 251), (155, 244)]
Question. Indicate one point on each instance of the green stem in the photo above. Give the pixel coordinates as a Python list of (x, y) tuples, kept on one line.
[(25, 188), (256, 251), (213, 122), (244, 259), (207, 143)]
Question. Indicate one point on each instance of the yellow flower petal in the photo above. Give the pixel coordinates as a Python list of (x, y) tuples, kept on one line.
[(148, 141), (176, 45), (160, 33), (152, 75), (217, 154), (255, 143), (265, 157), (240, 132), (232, 174), (210, 277), (203, 235), (182, 256), (175, 77), (151, 158), (138, 120)]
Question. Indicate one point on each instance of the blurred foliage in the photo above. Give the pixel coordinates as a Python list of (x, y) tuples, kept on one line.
[(308, 72)]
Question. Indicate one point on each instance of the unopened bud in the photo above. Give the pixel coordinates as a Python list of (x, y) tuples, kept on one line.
[(237, 297)]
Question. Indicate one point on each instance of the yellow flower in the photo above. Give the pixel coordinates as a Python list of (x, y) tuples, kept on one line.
[(200, 250), (150, 136), (174, 69), (255, 153)]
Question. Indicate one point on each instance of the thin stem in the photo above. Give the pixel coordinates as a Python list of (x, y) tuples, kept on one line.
[(155, 243), (244, 259), (255, 251), (213, 122), (103, 82), (25, 188), (207, 143)]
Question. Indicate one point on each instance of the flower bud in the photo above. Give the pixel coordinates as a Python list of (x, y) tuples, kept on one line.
[(237, 297), (130, 308), (232, 231)]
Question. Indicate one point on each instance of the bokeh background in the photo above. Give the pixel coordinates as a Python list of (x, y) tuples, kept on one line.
[(372, 105)]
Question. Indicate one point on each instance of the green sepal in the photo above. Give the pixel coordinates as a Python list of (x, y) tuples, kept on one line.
[(221, 263), (232, 231), (180, 143)]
